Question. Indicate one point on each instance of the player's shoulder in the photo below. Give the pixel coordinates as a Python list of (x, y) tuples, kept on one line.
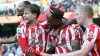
[(21, 24), (94, 27), (44, 25), (74, 26)]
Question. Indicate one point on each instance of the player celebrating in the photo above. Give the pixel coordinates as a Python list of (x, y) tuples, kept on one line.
[(91, 38)]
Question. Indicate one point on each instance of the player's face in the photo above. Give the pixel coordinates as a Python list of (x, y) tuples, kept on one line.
[(28, 16), (20, 9), (53, 23), (79, 17)]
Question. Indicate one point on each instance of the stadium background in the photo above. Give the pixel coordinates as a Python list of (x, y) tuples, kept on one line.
[(9, 21)]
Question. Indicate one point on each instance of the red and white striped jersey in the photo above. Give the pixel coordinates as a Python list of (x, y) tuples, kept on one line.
[(64, 38), (92, 34), (35, 37), (21, 29)]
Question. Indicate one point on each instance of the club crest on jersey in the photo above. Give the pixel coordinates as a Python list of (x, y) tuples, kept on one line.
[(90, 34), (39, 31), (76, 31)]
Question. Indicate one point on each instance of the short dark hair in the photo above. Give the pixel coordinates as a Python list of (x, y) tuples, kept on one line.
[(34, 9), (57, 14), (26, 2)]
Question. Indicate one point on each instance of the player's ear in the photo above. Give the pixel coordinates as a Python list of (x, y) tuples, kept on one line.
[(34, 15)]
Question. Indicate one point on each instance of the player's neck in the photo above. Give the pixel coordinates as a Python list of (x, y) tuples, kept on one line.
[(33, 23), (87, 23)]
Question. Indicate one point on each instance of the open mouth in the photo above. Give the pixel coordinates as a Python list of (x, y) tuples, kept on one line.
[(25, 20)]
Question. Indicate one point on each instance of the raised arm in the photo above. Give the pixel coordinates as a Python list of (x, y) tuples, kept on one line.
[(66, 22)]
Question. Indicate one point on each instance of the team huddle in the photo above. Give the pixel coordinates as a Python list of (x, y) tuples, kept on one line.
[(57, 36)]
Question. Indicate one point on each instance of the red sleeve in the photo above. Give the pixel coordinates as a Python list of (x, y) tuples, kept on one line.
[(23, 42)]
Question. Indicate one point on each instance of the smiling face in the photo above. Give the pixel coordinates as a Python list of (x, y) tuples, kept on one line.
[(53, 22), (28, 16), (31, 13), (84, 13)]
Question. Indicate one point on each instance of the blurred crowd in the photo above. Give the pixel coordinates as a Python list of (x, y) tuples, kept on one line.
[(65, 5), (70, 5), (8, 11), (10, 49)]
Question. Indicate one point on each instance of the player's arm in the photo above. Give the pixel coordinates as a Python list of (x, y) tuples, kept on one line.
[(66, 22), (82, 52), (8, 40)]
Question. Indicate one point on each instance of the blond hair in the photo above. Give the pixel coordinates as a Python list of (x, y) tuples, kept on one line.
[(85, 8)]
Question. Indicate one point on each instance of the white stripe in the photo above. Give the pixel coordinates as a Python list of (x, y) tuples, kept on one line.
[(43, 37), (36, 38), (43, 23), (72, 33), (61, 33), (96, 50), (95, 34), (23, 35), (63, 49), (24, 28), (57, 50), (68, 40), (30, 36), (87, 34)]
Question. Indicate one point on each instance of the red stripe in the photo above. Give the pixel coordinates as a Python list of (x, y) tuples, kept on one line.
[(67, 50), (93, 52), (69, 33), (63, 39), (41, 48), (60, 49)]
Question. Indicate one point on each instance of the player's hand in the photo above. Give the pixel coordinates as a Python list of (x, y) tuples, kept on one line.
[(54, 44), (29, 52), (47, 11)]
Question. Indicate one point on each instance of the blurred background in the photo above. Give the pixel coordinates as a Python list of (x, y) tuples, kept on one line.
[(9, 20)]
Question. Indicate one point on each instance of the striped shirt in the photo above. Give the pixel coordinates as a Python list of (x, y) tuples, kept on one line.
[(92, 34), (64, 38)]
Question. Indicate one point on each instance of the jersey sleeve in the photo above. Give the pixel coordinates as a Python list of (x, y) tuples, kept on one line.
[(92, 34), (44, 25), (20, 32)]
